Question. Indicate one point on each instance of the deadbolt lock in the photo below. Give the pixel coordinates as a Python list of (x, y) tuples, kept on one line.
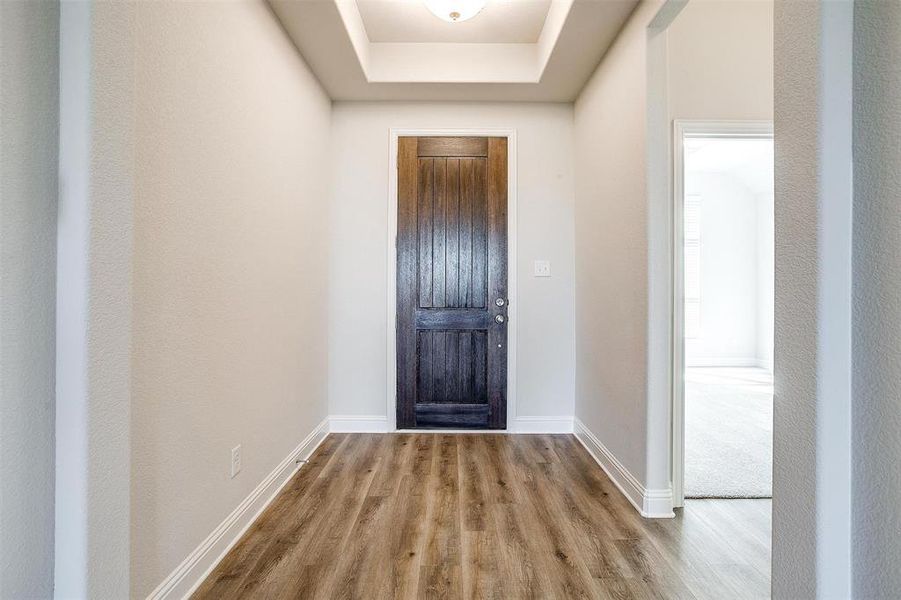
[(499, 302)]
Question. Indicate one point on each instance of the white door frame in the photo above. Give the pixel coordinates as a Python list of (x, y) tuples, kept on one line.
[(682, 130), (512, 321)]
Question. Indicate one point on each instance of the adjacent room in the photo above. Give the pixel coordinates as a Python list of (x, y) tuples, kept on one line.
[(728, 315)]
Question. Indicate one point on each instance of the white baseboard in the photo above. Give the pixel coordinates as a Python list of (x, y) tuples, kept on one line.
[(379, 424), (358, 424), (541, 425), (187, 576), (652, 504)]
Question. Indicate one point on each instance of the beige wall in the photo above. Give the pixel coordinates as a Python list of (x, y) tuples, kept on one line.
[(611, 247), (230, 267), (358, 288), (29, 134), (720, 60), (717, 60)]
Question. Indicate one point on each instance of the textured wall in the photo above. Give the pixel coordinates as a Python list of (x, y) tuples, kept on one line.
[(877, 300), (29, 66), (545, 329), (812, 406), (230, 267), (794, 412)]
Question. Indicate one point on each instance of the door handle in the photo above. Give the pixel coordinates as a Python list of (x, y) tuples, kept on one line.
[(499, 318)]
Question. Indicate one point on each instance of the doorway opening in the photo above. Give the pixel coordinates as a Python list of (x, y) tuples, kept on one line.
[(724, 283)]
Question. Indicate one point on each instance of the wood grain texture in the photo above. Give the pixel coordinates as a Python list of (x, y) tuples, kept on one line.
[(484, 516), (497, 280), (452, 265), (408, 191), (453, 146), (463, 381)]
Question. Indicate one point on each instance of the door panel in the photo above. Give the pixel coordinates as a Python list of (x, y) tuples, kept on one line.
[(452, 248), (452, 367), (452, 232)]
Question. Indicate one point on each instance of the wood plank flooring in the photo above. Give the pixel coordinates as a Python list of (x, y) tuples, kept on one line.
[(485, 516)]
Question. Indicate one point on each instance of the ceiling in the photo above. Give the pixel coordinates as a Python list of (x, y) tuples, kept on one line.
[(500, 22), (521, 50)]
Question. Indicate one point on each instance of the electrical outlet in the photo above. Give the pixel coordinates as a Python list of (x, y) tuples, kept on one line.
[(236, 460), (542, 268)]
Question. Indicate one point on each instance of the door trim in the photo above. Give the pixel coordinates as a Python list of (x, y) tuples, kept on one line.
[(683, 129), (391, 263)]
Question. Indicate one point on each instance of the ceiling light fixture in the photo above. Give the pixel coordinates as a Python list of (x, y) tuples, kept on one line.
[(454, 11)]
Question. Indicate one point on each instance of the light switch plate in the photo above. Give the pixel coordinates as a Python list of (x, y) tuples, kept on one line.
[(542, 268)]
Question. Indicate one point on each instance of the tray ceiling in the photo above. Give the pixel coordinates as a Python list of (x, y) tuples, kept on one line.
[(528, 50), (501, 21)]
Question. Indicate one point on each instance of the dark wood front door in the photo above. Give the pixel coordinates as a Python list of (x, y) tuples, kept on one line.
[(452, 282)]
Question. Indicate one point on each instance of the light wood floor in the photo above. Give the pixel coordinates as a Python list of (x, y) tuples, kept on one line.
[(485, 516)]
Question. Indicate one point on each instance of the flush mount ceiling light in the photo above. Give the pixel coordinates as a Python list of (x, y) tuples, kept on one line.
[(454, 11)]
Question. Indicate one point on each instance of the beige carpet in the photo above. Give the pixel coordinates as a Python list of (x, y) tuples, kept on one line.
[(728, 433)]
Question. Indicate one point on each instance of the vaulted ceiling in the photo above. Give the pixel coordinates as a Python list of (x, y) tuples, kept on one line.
[(529, 50)]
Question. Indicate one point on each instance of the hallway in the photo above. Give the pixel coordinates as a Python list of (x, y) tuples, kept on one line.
[(484, 516), (267, 266)]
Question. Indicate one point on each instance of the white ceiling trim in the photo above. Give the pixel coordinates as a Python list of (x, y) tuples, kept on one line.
[(331, 36), (451, 62), (356, 31), (550, 33)]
